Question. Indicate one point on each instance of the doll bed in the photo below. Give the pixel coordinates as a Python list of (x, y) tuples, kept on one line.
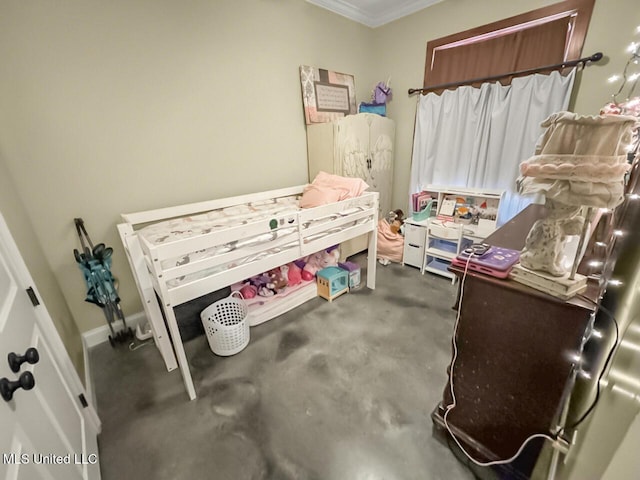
[(181, 253)]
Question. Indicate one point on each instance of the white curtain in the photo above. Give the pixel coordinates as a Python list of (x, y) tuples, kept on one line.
[(477, 137)]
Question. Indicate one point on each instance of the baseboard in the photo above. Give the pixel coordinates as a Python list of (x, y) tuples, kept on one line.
[(100, 335)]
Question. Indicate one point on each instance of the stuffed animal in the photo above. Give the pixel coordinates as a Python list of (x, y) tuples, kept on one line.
[(318, 261), (398, 221), (277, 280), (381, 92), (293, 273), (248, 291), (261, 284)]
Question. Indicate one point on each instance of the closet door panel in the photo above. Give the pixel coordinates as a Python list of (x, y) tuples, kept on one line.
[(352, 147), (352, 158), (381, 173), (381, 140)]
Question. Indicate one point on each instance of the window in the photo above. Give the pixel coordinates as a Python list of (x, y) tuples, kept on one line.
[(542, 37)]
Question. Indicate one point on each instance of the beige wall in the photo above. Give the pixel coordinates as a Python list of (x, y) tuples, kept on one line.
[(120, 106), (401, 48), (112, 107), (23, 233)]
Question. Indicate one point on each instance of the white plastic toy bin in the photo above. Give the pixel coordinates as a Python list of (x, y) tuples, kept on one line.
[(226, 325)]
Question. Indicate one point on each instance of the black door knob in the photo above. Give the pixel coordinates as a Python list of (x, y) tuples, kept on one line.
[(30, 356), (7, 387)]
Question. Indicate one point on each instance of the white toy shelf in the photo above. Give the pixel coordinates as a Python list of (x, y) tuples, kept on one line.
[(459, 216)]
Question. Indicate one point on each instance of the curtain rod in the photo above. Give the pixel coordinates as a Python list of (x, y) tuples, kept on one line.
[(571, 63)]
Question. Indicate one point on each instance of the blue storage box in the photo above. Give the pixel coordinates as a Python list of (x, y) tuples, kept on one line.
[(378, 108)]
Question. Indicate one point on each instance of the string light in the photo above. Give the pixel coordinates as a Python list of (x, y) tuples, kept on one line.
[(585, 374), (628, 77)]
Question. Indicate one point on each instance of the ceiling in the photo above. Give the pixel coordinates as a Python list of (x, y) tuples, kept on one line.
[(374, 13)]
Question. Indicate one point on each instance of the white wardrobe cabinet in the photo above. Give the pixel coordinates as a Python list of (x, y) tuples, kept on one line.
[(359, 146)]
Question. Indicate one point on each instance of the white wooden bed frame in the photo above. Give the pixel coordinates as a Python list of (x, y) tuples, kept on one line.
[(146, 259)]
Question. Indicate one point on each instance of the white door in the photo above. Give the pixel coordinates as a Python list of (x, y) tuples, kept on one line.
[(44, 433)]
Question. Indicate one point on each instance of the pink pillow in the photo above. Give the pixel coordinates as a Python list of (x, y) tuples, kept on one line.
[(327, 188)]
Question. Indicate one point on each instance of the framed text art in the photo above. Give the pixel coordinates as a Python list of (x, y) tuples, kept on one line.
[(326, 95)]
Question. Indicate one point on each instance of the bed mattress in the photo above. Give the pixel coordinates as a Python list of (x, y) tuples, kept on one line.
[(193, 225), (218, 220)]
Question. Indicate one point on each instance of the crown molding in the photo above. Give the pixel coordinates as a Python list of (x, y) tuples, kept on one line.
[(373, 18)]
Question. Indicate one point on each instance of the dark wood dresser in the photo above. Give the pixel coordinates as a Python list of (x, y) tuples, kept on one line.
[(516, 351)]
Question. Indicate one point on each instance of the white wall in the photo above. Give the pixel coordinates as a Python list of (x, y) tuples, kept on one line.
[(125, 105)]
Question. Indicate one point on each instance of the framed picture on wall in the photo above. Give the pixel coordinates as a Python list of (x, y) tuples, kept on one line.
[(326, 95)]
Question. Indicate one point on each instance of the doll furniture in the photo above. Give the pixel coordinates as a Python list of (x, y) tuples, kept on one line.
[(332, 282)]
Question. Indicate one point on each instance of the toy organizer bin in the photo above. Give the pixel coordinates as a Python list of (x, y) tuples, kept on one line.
[(354, 273), (424, 213), (332, 282), (226, 325)]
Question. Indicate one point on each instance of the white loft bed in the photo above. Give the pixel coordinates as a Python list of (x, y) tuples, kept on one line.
[(244, 236)]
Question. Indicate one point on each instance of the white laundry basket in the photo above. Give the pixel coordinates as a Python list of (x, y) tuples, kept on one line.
[(226, 325)]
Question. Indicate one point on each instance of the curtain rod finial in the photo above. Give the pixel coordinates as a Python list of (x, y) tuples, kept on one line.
[(596, 57)]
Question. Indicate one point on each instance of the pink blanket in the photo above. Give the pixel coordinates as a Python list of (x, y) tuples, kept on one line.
[(327, 188), (390, 245)]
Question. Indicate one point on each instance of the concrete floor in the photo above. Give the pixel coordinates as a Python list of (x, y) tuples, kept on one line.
[(328, 391)]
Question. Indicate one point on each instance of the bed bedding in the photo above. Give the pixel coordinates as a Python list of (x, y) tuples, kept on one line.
[(180, 253), (191, 226)]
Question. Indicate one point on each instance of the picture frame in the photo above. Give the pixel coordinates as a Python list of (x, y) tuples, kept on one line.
[(326, 95)]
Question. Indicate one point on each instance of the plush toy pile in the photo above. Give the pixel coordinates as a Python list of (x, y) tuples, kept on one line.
[(278, 279)]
